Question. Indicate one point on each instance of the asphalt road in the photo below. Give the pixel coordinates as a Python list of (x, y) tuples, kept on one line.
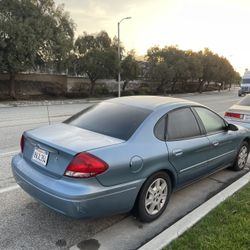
[(25, 224)]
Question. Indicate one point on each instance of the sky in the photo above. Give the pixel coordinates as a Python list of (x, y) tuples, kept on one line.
[(220, 25)]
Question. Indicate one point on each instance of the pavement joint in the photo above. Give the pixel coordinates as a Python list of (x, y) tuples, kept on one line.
[(8, 189), (219, 181), (9, 153)]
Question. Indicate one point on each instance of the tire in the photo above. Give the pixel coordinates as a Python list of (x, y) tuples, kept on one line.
[(156, 192), (241, 158)]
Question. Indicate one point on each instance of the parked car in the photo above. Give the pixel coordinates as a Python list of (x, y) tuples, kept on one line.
[(245, 84), (126, 153), (239, 113)]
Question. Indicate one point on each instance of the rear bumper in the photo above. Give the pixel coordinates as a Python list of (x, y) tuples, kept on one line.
[(244, 91), (73, 197)]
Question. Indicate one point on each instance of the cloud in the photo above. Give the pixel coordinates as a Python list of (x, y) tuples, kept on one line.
[(102, 7)]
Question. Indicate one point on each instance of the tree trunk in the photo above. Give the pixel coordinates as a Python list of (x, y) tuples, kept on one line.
[(125, 84), (207, 84), (173, 87), (91, 88), (200, 88), (12, 86), (160, 88)]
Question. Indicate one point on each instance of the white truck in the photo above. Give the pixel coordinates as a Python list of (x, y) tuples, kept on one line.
[(245, 84)]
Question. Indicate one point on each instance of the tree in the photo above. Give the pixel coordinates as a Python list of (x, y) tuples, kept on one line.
[(170, 65), (129, 69), (96, 57), (159, 69), (32, 33), (215, 69)]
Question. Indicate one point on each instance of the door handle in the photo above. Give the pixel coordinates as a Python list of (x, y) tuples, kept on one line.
[(177, 152), (216, 143)]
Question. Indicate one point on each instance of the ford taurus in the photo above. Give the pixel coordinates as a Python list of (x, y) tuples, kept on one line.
[(126, 153)]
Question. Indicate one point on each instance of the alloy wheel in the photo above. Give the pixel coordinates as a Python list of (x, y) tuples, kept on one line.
[(242, 157), (156, 196)]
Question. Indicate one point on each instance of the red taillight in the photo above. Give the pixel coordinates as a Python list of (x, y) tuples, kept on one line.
[(22, 143), (234, 115), (85, 165)]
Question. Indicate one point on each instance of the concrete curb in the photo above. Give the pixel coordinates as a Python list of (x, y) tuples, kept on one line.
[(177, 229), (47, 103)]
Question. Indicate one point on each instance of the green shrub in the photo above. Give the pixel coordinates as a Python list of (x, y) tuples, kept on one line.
[(128, 93), (101, 91), (77, 95)]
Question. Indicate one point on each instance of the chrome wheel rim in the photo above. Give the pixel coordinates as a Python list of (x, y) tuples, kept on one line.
[(242, 158), (156, 196)]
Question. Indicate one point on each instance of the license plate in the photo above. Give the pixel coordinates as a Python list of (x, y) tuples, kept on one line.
[(40, 156)]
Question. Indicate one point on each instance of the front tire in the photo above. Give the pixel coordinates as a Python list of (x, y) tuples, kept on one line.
[(241, 158), (154, 197)]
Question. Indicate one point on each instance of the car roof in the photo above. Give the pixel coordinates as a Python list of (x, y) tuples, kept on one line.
[(150, 102)]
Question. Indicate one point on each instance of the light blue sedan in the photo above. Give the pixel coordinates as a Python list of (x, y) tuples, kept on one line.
[(125, 154)]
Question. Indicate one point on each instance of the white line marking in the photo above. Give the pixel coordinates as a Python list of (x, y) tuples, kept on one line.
[(9, 153), (177, 229), (8, 189)]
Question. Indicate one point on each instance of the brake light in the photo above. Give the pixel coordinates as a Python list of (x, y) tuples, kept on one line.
[(22, 143), (85, 165), (234, 115)]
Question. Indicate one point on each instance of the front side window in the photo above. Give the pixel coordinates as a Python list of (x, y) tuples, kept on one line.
[(211, 121), (182, 124)]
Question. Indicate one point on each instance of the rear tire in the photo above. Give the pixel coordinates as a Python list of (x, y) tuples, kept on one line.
[(153, 197), (241, 158)]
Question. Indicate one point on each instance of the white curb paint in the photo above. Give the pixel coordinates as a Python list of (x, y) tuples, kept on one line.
[(8, 189), (171, 233)]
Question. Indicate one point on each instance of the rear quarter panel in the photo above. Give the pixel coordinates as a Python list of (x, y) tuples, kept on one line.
[(150, 154)]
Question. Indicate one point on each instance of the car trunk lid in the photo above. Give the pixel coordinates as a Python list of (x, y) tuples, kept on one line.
[(51, 148), (238, 113)]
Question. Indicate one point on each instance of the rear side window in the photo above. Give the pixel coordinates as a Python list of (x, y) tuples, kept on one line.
[(182, 124), (211, 121), (112, 119), (160, 129)]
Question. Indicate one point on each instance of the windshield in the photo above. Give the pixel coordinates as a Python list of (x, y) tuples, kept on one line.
[(245, 81), (115, 120), (245, 101)]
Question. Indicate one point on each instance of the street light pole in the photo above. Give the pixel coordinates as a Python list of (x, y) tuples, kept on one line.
[(119, 58)]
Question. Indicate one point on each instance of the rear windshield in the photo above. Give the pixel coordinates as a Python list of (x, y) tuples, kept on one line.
[(245, 101), (115, 120)]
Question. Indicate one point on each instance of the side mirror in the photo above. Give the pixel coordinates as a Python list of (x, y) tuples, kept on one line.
[(232, 127)]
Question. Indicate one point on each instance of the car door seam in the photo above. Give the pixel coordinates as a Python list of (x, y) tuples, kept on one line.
[(203, 162)]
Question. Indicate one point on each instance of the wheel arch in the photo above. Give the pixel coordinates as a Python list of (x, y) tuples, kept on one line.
[(172, 175), (247, 139)]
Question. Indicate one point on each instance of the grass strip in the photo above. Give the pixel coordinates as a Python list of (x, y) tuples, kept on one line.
[(226, 227)]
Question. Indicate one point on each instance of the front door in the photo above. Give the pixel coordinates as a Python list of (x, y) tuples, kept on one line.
[(223, 150)]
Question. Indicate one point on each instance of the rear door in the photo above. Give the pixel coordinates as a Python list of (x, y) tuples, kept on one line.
[(188, 147), (223, 142)]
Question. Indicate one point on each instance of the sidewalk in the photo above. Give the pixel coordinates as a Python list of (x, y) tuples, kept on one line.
[(26, 103), (9, 104)]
